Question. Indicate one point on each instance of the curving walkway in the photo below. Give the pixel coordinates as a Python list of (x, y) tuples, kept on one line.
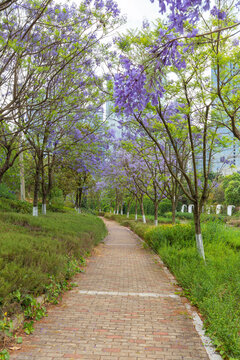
[(124, 307)]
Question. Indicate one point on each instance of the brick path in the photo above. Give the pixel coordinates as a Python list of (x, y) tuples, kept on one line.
[(124, 308)]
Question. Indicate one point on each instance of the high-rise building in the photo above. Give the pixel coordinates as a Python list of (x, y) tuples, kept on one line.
[(227, 160), (113, 119)]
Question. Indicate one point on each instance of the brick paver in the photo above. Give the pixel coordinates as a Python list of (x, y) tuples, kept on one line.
[(121, 309)]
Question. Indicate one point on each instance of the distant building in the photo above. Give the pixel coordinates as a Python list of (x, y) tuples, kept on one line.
[(113, 119), (227, 160)]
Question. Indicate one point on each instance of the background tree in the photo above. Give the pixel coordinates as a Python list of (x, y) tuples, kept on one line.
[(180, 112)]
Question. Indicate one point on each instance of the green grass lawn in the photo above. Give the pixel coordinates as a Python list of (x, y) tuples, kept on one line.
[(34, 249)]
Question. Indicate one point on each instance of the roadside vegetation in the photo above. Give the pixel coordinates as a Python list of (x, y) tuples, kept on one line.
[(213, 287), (38, 258), (32, 249), (63, 82)]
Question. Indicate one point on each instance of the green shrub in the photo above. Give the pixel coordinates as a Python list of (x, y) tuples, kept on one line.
[(164, 219), (15, 205), (213, 288), (34, 248), (168, 214), (128, 223), (164, 207), (6, 193), (184, 216), (54, 207), (101, 213), (110, 216), (180, 235), (140, 229), (69, 204), (213, 217)]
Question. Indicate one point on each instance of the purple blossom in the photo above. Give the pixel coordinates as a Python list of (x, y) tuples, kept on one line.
[(181, 11), (145, 24), (235, 42), (221, 15), (130, 89)]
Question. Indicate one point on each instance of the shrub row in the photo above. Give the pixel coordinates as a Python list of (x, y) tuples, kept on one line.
[(33, 249), (15, 206), (149, 218), (179, 235)]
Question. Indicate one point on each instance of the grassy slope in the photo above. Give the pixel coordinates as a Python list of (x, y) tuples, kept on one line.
[(32, 249)]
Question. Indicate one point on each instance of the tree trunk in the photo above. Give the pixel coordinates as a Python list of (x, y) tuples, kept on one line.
[(117, 205), (121, 208), (36, 189), (44, 193), (79, 203), (136, 210), (128, 208), (173, 211), (22, 177), (198, 233), (44, 208), (142, 211), (44, 203), (156, 213), (50, 183), (76, 200)]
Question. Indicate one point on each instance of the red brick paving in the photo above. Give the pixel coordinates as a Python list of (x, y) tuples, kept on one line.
[(117, 327)]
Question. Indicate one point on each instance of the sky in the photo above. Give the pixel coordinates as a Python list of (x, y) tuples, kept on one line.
[(137, 11)]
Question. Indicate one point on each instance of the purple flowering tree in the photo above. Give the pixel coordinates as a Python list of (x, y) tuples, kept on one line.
[(172, 106), (215, 26), (64, 81), (144, 171), (15, 44), (159, 183), (44, 56)]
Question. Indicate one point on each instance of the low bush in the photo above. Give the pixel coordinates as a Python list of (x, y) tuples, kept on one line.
[(33, 249), (90, 211), (236, 214), (214, 289), (6, 193), (15, 205), (69, 204), (140, 229), (110, 216), (180, 235), (149, 219), (184, 216), (101, 213), (128, 223), (164, 219), (57, 207), (213, 217), (164, 207)]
